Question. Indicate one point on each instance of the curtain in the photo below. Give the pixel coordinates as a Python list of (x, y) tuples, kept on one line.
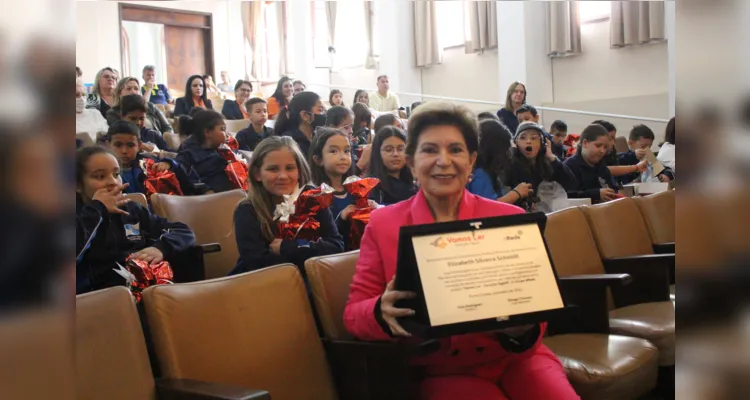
[(282, 29), (635, 23), (426, 43), (331, 18), (481, 20), (372, 59), (125, 52), (564, 28), (252, 17)]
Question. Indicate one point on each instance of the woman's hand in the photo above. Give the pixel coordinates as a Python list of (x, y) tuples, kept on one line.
[(524, 190), (275, 246), (151, 255), (607, 194), (390, 313), (112, 198), (161, 167), (346, 212)]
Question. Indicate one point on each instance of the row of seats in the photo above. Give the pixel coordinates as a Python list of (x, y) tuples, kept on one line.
[(257, 330)]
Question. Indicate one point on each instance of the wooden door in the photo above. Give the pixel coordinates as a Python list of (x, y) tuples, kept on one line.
[(186, 54)]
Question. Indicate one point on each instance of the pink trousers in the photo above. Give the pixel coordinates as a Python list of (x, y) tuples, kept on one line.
[(540, 376)]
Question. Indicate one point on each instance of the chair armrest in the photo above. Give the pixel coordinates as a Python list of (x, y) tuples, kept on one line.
[(587, 293), (374, 370), (210, 248), (189, 389), (664, 248), (651, 278)]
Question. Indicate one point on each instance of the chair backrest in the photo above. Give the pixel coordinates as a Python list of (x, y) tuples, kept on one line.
[(217, 103), (211, 217), (619, 229), (329, 278), (236, 125), (621, 144), (111, 357), (571, 243), (85, 138), (658, 213), (173, 139), (139, 198), (254, 330)]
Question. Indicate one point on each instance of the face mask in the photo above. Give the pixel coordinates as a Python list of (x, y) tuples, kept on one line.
[(80, 104), (318, 120)]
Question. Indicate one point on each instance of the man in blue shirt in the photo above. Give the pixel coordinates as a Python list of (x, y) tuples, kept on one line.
[(156, 94)]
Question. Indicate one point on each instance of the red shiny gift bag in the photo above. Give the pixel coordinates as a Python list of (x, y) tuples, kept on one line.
[(164, 182), (296, 216), (236, 169), (360, 189), (571, 142), (140, 275), (232, 143)]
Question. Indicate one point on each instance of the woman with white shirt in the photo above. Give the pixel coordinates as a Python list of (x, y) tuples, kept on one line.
[(88, 120), (667, 151)]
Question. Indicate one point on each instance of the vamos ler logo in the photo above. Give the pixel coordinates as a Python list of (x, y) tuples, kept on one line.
[(459, 240)]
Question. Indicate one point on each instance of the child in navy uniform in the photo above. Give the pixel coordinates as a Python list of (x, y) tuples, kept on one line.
[(109, 228), (590, 168), (641, 139), (249, 137), (558, 132), (133, 109)]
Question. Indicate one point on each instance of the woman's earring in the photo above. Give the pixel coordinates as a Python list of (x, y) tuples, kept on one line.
[(471, 177)]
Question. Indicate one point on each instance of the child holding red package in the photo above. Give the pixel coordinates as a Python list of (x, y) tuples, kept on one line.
[(278, 173), (109, 228), (593, 178), (331, 164)]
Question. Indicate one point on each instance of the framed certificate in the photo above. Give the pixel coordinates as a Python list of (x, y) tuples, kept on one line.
[(477, 275)]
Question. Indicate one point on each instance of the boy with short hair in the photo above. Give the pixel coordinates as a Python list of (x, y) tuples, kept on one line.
[(527, 113), (249, 137), (133, 109), (640, 140), (558, 130)]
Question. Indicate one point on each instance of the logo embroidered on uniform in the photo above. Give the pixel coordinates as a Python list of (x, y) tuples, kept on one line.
[(133, 232)]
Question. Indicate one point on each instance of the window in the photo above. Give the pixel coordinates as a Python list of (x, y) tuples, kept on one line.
[(450, 23), (351, 39), (320, 34), (594, 11), (268, 43)]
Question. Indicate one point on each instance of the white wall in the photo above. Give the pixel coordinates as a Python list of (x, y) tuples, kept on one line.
[(98, 34)]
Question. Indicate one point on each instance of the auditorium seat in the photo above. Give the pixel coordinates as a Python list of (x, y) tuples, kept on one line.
[(236, 125), (173, 139), (211, 217), (624, 246), (252, 330), (111, 361), (658, 212), (621, 144), (139, 198)]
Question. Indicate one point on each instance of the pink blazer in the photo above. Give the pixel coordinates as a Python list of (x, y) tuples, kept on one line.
[(376, 266)]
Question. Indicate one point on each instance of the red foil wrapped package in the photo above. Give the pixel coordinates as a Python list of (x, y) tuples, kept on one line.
[(232, 143), (141, 275), (164, 182), (360, 189), (571, 142), (237, 170), (296, 217)]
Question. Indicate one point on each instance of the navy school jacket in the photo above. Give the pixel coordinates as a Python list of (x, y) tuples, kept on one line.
[(589, 179), (203, 165), (629, 158), (152, 136), (104, 239), (520, 173), (248, 138), (136, 178), (255, 253)]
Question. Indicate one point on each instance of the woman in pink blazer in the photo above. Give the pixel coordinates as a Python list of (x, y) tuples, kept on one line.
[(508, 364)]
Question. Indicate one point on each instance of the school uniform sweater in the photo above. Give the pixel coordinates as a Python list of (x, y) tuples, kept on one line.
[(590, 179), (481, 185), (104, 239), (135, 176), (629, 158), (398, 190), (302, 141), (204, 166), (248, 138)]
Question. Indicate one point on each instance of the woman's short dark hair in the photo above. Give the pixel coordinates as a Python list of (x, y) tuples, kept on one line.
[(197, 125), (132, 102), (240, 83), (189, 90), (669, 133), (322, 135), (286, 121), (495, 142), (383, 121), (590, 134), (335, 115), (377, 167), (441, 113)]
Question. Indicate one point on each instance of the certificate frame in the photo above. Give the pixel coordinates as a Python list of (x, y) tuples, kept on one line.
[(408, 278)]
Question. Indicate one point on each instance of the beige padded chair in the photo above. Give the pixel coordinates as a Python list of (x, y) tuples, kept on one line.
[(173, 140), (621, 144), (251, 330), (658, 212), (85, 138), (211, 217), (112, 362), (139, 198), (236, 125), (622, 237)]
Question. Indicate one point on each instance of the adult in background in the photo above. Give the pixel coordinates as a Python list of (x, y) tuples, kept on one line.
[(102, 95), (153, 92), (210, 85), (236, 109), (281, 96), (195, 96), (226, 83), (383, 100), (508, 363), (154, 117), (87, 120), (514, 99)]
